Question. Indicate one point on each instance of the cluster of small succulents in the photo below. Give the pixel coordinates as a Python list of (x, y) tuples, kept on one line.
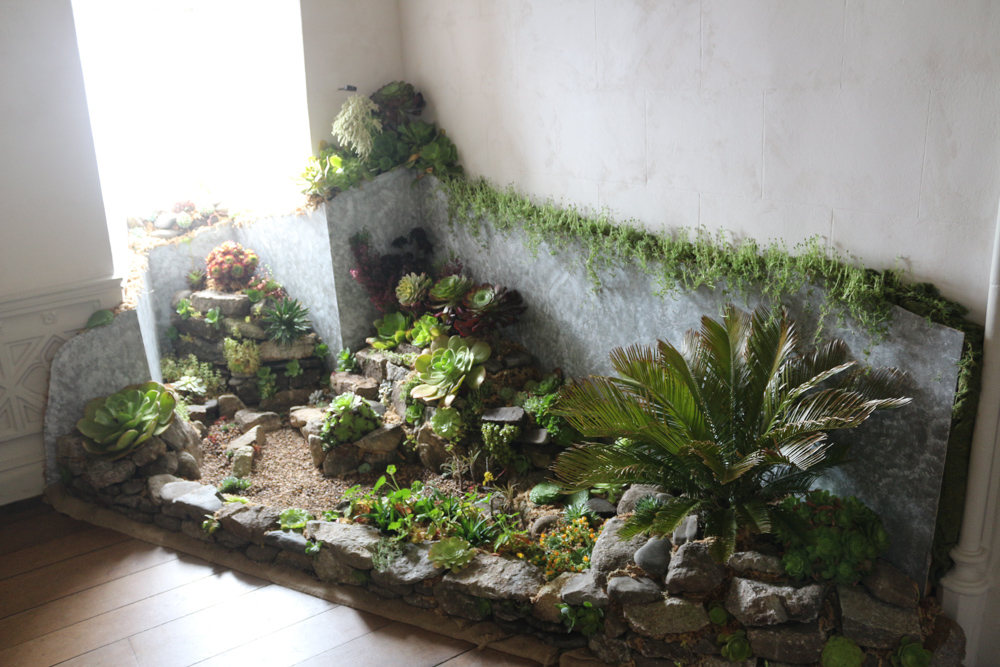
[(487, 307), (116, 425), (567, 548), (230, 267), (839, 541), (349, 419), (497, 439)]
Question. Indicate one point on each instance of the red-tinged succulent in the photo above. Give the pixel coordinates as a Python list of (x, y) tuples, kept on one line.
[(397, 103), (184, 207), (487, 307), (380, 274), (231, 267)]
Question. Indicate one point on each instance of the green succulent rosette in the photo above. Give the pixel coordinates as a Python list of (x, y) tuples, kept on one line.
[(114, 426), (447, 365)]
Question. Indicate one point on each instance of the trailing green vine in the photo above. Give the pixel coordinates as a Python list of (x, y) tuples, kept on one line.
[(682, 261)]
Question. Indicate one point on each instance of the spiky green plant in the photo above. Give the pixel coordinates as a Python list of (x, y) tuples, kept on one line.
[(114, 426), (732, 425), (287, 321)]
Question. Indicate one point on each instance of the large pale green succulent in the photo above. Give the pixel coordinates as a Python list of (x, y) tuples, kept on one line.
[(447, 365), (391, 331), (450, 290), (412, 288), (116, 425), (451, 553)]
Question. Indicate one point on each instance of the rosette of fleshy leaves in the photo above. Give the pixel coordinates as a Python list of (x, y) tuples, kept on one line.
[(349, 418), (451, 553), (116, 425), (448, 293), (397, 102), (447, 365), (487, 307), (230, 267), (390, 331), (425, 330), (412, 290), (836, 540)]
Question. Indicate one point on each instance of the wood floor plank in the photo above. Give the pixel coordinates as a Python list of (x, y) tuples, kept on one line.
[(207, 633), (69, 546), (33, 530), (487, 658), (76, 574), (103, 598), (395, 644), (118, 654), (302, 640), (22, 509), (224, 590)]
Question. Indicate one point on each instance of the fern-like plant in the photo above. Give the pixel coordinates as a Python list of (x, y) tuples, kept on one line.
[(356, 125), (732, 425)]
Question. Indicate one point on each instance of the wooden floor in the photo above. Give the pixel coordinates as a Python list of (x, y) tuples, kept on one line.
[(73, 594)]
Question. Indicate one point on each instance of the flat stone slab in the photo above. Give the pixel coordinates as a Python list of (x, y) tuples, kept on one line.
[(409, 568), (759, 603), (342, 382), (890, 585), (497, 578), (669, 616), (626, 590), (256, 436), (248, 522), (194, 504), (870, 622), (271, 351), (299, 417), (286, 540), (267, 421), (584, 588), (511, 415), (229, 305), (794, 643), (749, 562), (692, 570), (382, 439), (350, 542)]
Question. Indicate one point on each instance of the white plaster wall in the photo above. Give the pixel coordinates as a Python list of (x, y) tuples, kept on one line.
[(55, 256), (869, 123), (51, 211), (347, 42)]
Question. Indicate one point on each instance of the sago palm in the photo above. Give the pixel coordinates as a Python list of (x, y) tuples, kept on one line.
[(734, 423)]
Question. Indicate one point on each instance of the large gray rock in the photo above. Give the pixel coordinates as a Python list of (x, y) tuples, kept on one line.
[(229, 405), (409, 568), (248, 522), (432, 450), (187, 466), (178, 488), (669, 616), (255, 437), (271, 351), (105, 473), (316, 449), (382, 439), (611, 552), (351, 543), (165, 465), (267, 421), (229, 305), (181, 436), (194, 504), (545, 605), (890, 585), (794, 643), (686, 531), (609, 651), (342, 382), (749, 562), (330, 568), (626, 590), (498, 578), (243, 462), (149, 451), (509, 415), (584, 588), (634, 494), (341, 460), (692, 570), (870, 622), (299, 417), (286, 540), (760, 603), (456, 603)]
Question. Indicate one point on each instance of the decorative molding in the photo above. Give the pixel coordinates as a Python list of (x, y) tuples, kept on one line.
[(32, 328)]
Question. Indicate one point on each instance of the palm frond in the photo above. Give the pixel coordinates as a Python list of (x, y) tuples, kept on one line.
[(659, 520)]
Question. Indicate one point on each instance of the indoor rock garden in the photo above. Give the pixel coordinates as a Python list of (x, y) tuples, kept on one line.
[(670, 512)]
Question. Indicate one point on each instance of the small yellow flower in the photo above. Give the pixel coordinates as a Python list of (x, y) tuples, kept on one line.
[(488, 477), (520, 555)]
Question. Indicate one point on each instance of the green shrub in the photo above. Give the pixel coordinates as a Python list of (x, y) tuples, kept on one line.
[(833, 540), (732, 425)]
